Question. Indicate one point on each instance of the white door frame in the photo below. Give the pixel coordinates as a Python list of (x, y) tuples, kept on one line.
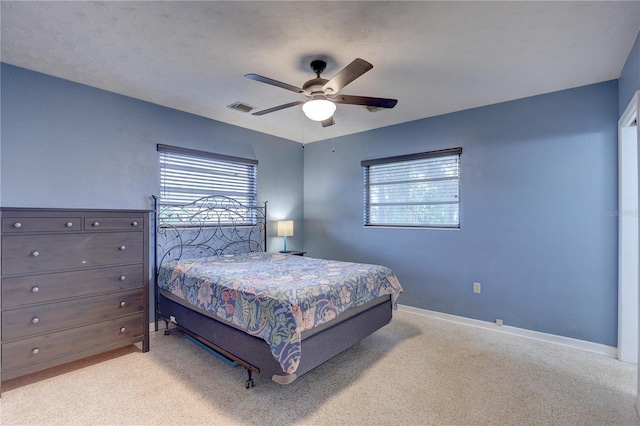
[(628, 257), (628, 241)]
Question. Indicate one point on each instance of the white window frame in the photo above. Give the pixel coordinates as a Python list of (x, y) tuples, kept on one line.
[(400, 183)]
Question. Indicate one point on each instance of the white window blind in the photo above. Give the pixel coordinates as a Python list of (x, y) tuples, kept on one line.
[(416, 190), (187, 175)]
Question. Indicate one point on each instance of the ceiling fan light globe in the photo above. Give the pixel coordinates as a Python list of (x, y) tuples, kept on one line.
[(318, 109)]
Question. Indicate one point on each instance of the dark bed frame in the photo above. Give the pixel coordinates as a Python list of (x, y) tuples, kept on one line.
[(219, 225)]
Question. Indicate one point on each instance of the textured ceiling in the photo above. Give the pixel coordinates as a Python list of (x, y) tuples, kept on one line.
[(434, 57)]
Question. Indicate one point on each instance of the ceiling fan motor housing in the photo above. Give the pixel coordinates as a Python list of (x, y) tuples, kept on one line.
[(314, 86)]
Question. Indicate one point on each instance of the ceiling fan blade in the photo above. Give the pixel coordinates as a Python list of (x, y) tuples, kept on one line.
[(278, 108), (365, 100), (349, 73), (328, 122), (276, 83)]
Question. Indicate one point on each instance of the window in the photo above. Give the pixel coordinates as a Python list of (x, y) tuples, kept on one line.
[(416, 190), (187, 175)]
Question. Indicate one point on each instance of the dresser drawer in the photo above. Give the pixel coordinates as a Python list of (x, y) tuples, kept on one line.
[(36, 350), (41, 224), (113, 223), (45, 288), (41, 319), (43, 253)]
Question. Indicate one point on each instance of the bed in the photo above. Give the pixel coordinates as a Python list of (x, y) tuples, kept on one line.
[(275, 314)]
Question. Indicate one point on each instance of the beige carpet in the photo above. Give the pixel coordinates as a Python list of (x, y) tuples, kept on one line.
[(414, 371)]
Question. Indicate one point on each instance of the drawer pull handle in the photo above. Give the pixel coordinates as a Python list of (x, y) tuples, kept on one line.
[(17, 225), (35, 253), (134, 223), (122, 247), (122, 278), (35, 320), (123, 304), (35, 351), (35, 289), (95, 224), (123, 330), (68, 224)]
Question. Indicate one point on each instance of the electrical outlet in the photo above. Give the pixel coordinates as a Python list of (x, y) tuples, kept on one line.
[(476, 288), (499, 322)]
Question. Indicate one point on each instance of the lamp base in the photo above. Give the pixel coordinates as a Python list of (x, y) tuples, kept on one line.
[(285, 251)]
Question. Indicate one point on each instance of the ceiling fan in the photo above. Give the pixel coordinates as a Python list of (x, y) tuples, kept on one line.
[(323, 94)]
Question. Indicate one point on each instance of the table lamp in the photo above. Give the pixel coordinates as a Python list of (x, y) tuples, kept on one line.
[(284, 228)]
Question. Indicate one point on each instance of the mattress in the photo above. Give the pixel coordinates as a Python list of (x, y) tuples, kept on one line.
[(274, 296)]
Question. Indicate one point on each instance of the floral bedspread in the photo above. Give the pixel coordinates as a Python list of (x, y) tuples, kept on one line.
[(275, 296)]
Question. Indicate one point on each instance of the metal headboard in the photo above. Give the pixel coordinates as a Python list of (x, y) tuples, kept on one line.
[(210, 226)]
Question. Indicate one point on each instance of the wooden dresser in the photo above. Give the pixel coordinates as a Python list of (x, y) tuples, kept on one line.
[(75, 283)]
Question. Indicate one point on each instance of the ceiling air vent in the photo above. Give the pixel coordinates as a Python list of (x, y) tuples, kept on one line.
[(239, 106)]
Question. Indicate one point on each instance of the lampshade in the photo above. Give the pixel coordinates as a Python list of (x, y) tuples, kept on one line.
[(284, 228), (318, 109)]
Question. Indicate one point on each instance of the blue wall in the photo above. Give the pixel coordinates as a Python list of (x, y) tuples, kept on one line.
[(629, 81), (70, 145), (538, 178)]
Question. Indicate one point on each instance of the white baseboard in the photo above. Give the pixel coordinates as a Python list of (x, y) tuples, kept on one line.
[(535, 335)]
